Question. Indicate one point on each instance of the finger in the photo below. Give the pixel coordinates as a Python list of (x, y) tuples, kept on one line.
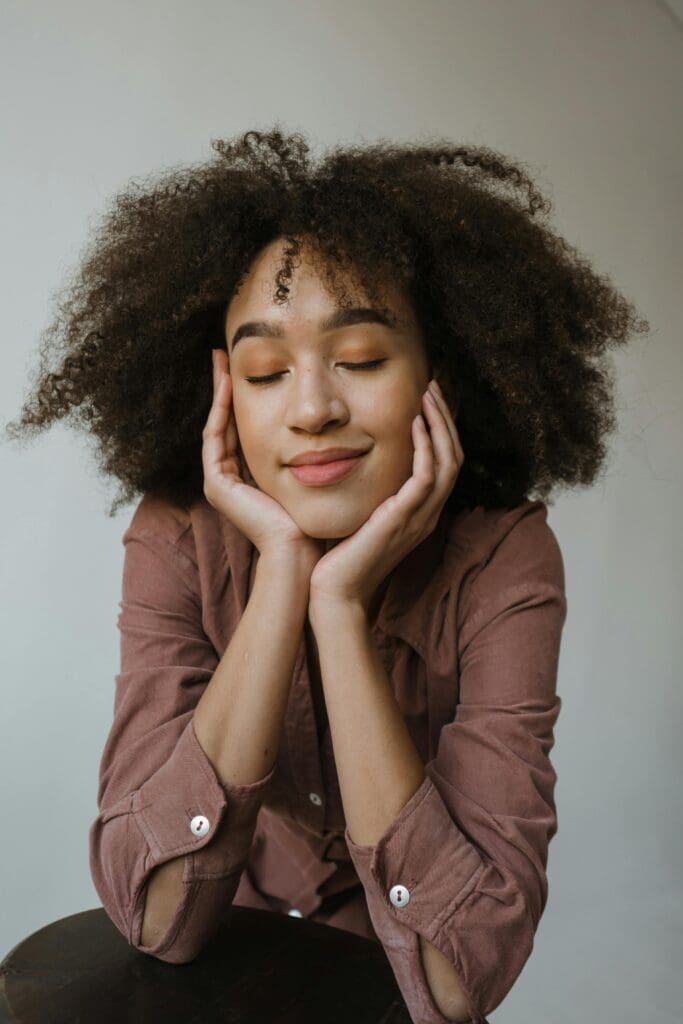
[(444, 466), (231, 430), (213, 434), (222, 361), (221, 367), (216, 452), (442, 442), (218, 364), (420, 485), (448, 416), (442, 406)]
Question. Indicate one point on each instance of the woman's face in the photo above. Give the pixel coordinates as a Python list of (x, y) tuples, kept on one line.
[(318, 400)]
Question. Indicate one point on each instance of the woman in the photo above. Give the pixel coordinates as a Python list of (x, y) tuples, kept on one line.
[(338, 673)]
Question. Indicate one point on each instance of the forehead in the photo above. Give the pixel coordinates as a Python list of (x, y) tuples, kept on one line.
[(309, 298)]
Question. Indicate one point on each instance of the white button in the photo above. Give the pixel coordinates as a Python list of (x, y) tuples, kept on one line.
[(399, 895), (295, 913), (200, 825), (315, 799)]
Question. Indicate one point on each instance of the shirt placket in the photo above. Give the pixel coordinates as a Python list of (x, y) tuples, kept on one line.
[(303, 751)]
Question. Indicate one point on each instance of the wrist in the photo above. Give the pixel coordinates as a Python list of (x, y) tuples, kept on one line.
[(288, 561), (342, 612)]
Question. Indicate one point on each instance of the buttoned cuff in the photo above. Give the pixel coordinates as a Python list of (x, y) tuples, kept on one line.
[(184, 809), (415, 877), (423, 866)]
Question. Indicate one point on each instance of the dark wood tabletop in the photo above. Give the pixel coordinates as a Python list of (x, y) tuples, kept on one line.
[(260, 967)]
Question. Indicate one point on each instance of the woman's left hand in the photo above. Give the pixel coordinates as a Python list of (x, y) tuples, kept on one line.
[(353, 569)]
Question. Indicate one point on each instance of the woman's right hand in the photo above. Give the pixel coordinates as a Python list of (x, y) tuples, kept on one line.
[(255, 514)]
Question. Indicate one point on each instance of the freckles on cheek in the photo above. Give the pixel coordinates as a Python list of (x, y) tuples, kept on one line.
[(395, 406), (396, 412), (247, 435), (245, 416)]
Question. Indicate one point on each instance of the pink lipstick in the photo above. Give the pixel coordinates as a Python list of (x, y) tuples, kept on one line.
[(326, 472)]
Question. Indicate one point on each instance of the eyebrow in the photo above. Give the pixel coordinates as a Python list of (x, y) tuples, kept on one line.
[(332, 322)]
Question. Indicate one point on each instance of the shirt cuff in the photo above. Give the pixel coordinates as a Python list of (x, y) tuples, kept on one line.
[(184, 809), (424, 853), (408, 967), (417, 874)]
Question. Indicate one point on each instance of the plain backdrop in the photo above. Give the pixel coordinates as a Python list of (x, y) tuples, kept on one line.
[(587, 95)]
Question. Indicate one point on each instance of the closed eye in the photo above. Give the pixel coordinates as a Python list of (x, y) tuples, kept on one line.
[(351, 366)]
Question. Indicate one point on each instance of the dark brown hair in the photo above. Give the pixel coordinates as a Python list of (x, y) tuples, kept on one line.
[(516, 322)]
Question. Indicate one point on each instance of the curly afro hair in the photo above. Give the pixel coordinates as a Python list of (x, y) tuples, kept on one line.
[(516, 322)]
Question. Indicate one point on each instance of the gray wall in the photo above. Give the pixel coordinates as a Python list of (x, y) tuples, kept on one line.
[(587, 94)]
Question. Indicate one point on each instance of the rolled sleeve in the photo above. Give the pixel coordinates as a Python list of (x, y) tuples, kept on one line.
[(425, 854), (469, 849), (183, 808), (159, 796)]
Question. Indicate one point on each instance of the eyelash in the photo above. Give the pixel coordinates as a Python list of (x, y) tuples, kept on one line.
[(373, 364)]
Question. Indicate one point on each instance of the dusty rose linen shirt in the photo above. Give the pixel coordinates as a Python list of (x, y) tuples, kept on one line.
[(469, 632)]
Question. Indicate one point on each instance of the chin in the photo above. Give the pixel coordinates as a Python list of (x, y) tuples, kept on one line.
[(321, 530), (332, 525)]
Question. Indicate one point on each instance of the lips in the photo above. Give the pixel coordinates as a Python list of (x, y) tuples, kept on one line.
[(329, 472), (316, 458)]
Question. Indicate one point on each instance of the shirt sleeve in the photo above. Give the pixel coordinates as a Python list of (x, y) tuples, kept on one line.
[(159, 796), (465, 859)]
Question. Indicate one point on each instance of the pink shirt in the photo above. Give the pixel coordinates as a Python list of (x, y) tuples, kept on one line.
[(469, 632)]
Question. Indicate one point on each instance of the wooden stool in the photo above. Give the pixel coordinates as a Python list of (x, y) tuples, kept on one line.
[(260, 968)]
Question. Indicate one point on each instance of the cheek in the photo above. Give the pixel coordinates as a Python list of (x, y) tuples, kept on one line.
[(392, 412), (389, 422), (252, 429)]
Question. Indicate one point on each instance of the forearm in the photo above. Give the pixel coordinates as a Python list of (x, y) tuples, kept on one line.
[(239, 718), (378, 766)]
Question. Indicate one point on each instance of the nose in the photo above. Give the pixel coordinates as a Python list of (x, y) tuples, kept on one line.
[(315, 401)]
